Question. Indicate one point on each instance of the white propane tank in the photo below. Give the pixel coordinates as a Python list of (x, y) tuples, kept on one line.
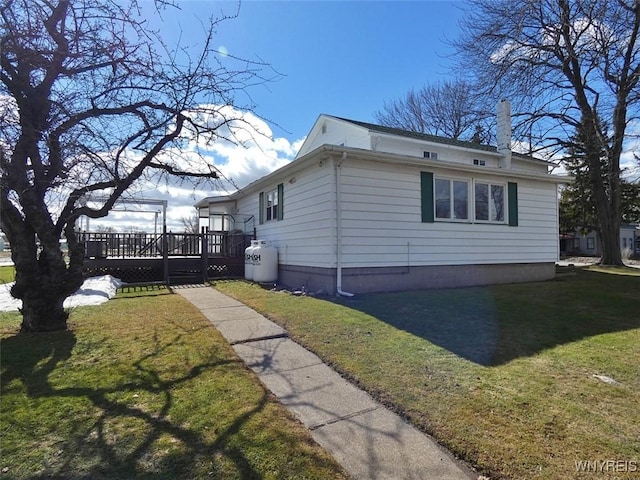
[(248, 260), (265, 262)]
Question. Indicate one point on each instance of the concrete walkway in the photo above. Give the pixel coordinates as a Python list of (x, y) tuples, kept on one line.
[(369, 441)]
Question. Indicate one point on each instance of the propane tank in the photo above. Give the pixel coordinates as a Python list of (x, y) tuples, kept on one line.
[(265, 262), (248, 260)]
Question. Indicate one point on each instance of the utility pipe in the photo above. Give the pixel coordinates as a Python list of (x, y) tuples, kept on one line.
[(338, 166)]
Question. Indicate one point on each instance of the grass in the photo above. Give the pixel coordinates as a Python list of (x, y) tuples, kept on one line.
[(7, 274), (503, 375), (142, 387), (616, 270)]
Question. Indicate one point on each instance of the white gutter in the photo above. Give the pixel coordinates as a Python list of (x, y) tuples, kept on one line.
[(338, 166), (410, 160), (299, 163)]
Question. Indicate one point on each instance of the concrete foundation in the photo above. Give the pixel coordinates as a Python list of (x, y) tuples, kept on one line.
[(390, 279)]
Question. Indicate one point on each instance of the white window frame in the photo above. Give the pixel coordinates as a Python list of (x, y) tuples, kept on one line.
[(491, 205), (452, 200), (271, 205)]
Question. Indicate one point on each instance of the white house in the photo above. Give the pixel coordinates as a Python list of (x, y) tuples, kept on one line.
[(589, 244), (365, 208)]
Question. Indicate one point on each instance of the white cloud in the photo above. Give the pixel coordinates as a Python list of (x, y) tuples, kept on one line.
[(587, 36), (244, 150)]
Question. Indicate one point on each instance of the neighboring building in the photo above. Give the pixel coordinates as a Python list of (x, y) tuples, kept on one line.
[(589, 244), (366, 208)]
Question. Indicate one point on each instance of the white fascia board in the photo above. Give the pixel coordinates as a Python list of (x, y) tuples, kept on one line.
[(326, 151), (440, 145), (447, 146), (459, 167), (208, 200), (315, 131)]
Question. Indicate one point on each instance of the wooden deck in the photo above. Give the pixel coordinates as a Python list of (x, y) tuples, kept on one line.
[(172, 258)]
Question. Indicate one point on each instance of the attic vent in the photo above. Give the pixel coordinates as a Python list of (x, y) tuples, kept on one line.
[(430, 155), (479, 162), (324, 128)]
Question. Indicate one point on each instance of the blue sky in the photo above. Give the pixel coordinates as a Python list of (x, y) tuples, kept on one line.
[(338, 57), (343, 58)]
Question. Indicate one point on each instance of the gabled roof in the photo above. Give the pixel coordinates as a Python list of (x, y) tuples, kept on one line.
[(214, 199), (419, 136), (302, 160), (431, 138)]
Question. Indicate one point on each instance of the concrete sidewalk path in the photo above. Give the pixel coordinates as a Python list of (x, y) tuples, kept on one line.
[(369, 441)]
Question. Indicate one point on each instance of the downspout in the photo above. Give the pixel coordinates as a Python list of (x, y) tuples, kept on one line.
[(338, 166)]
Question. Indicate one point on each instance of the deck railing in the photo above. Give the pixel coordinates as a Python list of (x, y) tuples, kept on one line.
[(136, 245)]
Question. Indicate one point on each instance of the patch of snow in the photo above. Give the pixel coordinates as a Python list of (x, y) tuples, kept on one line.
[(605, 379), (94, 291)]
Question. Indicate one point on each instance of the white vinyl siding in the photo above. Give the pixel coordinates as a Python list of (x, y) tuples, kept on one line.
[(387, 220), (382, 223), (305, 236)]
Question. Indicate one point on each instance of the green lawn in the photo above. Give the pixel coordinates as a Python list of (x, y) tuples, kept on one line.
[(142, 387), (7, 274), (503, 375)]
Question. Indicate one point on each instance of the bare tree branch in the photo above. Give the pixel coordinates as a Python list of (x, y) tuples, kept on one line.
[(98, 102), (566, 65), (448, 109)]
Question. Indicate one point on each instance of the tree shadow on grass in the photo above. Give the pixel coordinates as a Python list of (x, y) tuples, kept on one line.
[(90, 447), (32, 357), (494, 325)]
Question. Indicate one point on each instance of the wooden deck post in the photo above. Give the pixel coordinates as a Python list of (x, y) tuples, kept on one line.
[(165, 244), (205, 254)]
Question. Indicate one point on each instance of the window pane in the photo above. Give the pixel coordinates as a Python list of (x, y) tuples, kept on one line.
[(497, 203), (443, 198), (460, 200), (482, 201), (272, 205)]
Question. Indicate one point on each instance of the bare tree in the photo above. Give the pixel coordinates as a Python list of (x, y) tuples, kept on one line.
[(93, 102), (447, 108), (191, 224), (567, 66)]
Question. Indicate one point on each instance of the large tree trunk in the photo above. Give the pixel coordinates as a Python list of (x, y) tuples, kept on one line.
[(605, 188), (43, 281), (608, 210), (42, 310), (610, 243)]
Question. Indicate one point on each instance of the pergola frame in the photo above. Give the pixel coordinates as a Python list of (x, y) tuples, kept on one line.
[(150, 201)]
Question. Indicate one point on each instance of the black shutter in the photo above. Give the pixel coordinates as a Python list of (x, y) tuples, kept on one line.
[(261, 208), (513, 204), (280, 201), (426, 196)]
